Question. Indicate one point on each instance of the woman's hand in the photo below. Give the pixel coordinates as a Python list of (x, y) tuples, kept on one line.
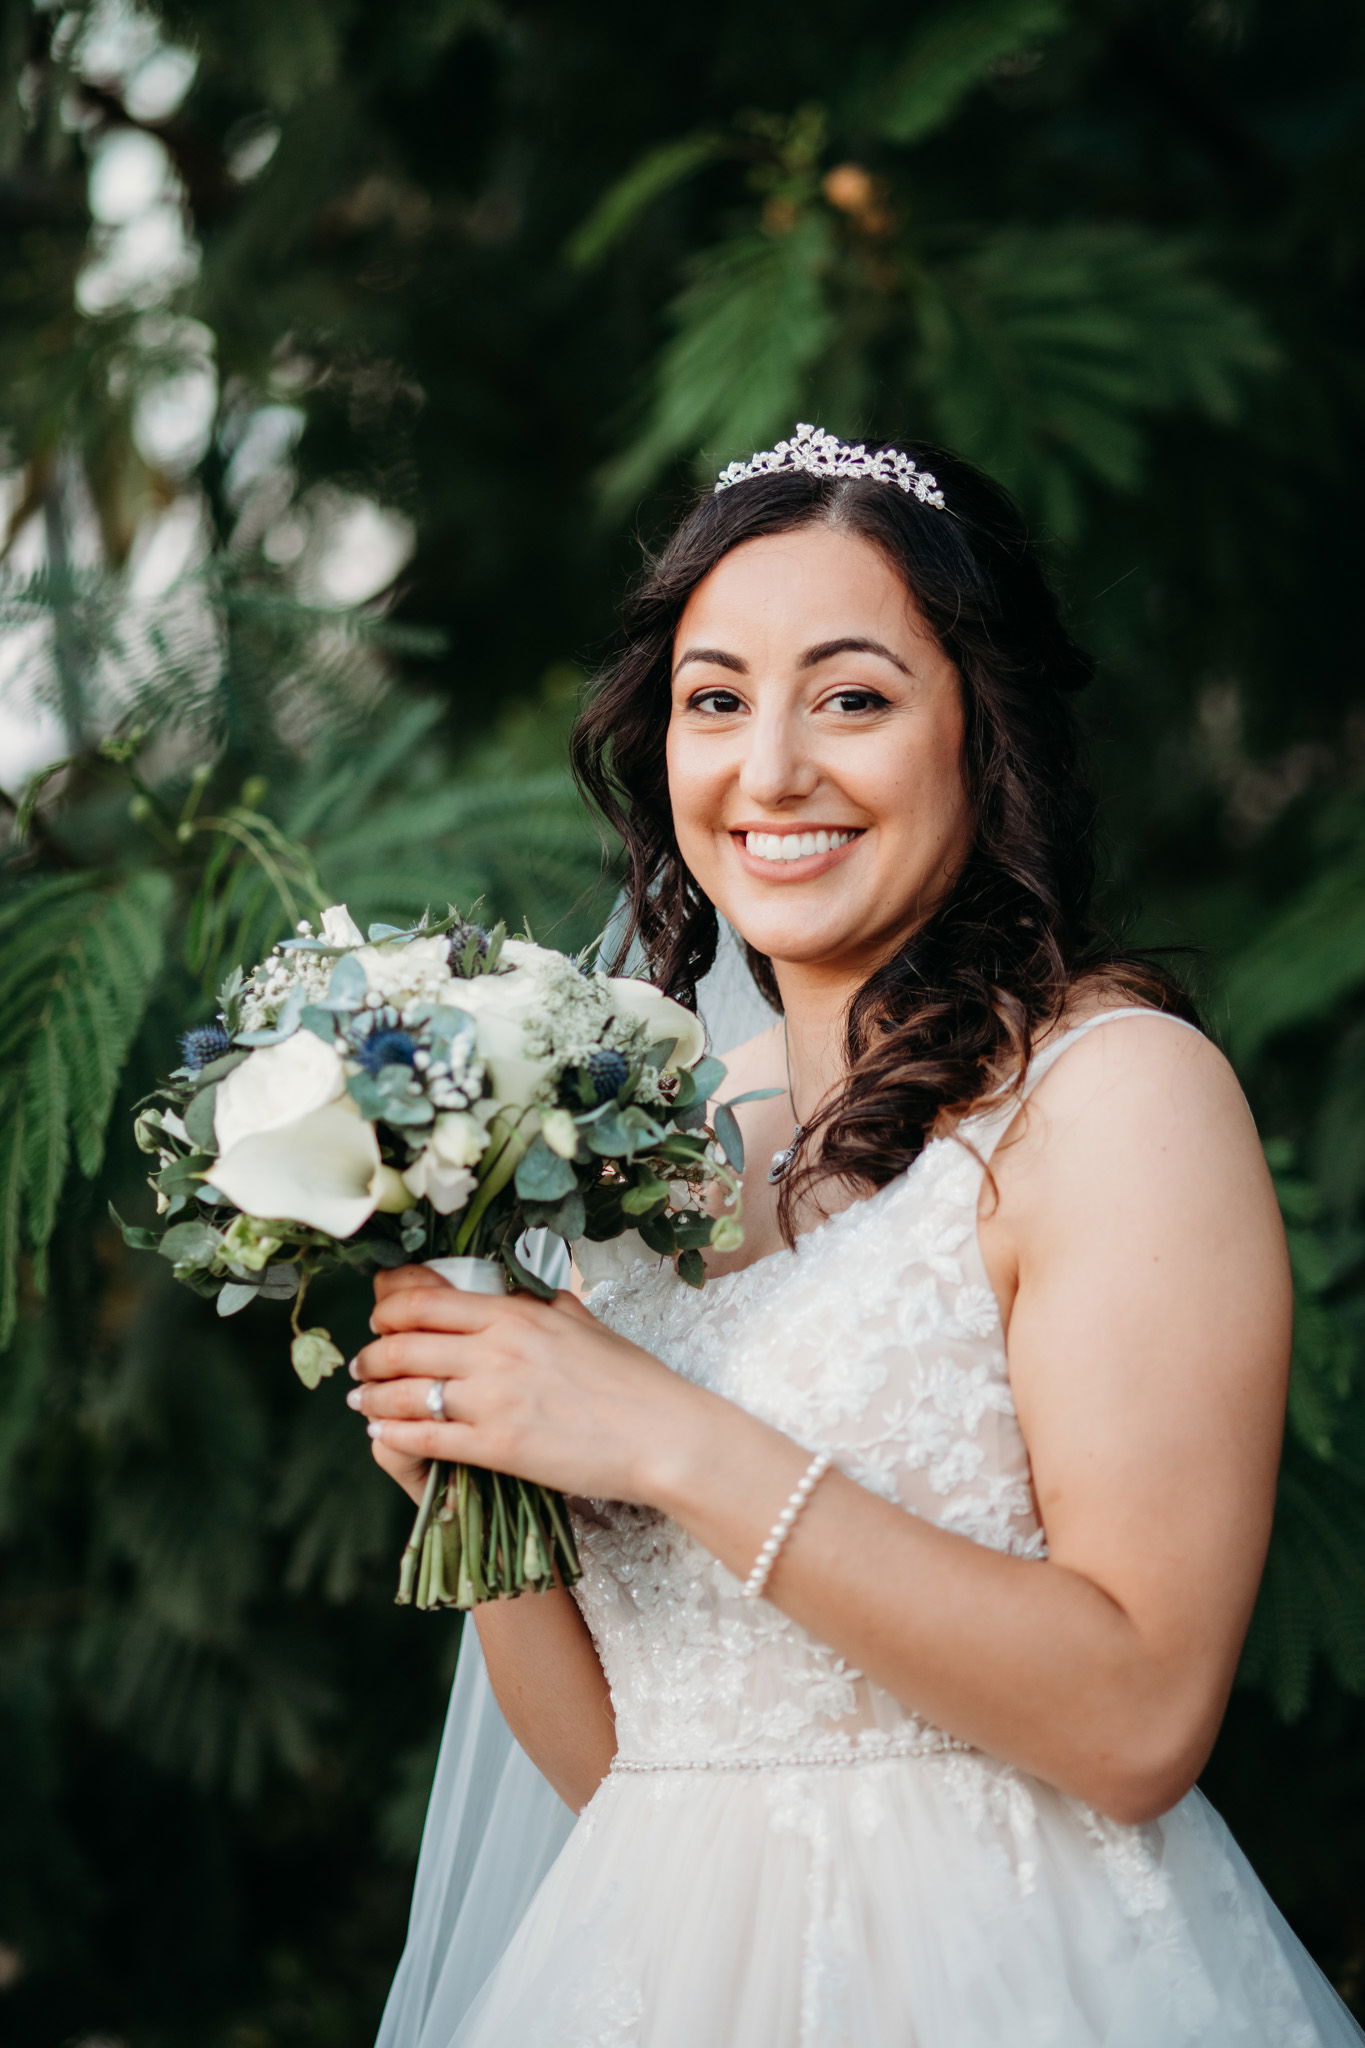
[(537, 1389)]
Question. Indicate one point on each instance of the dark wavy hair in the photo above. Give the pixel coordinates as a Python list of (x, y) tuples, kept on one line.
[(947, 1022)]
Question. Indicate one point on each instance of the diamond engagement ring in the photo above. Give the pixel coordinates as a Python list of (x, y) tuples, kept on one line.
[(436, 1401)]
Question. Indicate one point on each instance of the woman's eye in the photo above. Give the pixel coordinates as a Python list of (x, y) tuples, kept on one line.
[(857, 700), (719, 702)]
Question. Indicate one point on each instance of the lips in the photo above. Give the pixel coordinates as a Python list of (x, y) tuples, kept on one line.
[(792, 855), (789, 846)]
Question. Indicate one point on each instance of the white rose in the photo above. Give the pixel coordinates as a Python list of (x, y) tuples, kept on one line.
[(661, 1017), (441, 1172), (274, 1085), (339, 928), (501, 1006)]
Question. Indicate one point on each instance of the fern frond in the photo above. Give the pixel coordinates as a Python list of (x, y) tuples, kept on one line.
[(748, 327), (77, 965), (1045, 348), (948, 58), (1305, 961)]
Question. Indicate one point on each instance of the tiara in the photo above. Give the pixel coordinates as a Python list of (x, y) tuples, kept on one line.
[(820, 454)]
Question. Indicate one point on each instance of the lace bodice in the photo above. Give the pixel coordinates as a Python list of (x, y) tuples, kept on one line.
[(878, 1337)]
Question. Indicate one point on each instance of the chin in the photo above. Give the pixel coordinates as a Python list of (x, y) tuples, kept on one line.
[(785, 947)]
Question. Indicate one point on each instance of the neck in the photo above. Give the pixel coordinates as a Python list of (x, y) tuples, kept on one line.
[(815, 1005)]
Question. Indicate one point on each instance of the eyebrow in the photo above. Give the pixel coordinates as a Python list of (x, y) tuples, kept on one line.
[(812, 657)]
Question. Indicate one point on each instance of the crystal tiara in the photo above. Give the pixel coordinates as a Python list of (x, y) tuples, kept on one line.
[(820, 454)]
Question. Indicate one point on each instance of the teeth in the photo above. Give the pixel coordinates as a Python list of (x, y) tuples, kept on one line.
[(794, 845)]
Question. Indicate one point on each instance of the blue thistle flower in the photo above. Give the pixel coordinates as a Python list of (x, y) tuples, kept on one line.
[(607, 1070), (204, 1043), (458, 939), (386, 1049)]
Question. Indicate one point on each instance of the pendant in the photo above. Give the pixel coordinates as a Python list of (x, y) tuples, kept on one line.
[(782, 1160)]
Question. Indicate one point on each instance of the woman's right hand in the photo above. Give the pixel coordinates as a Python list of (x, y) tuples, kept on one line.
[(410, 1473)]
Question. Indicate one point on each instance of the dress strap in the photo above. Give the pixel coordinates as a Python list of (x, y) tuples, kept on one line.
[(986, 1129)]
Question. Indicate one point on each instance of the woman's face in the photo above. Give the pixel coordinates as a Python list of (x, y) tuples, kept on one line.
[(815, 750)]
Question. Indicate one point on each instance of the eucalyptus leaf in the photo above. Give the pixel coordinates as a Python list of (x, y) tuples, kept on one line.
[(198, 1119), (657, 1233), (611, 1137), (569, 1218), (691, 1268), (707, 1076), (348, 983), (542, 1176), (728, 1136), (647, 1195), (691, 1232), (136, 1235), (281, 1282), (234, 1295), (194, 1244), (681, 1148), (219, 1069)]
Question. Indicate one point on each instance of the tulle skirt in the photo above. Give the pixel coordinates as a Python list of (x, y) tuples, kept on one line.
[(936, 1902)]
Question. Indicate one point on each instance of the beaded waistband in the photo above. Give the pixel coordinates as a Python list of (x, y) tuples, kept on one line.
[(919, 1743)]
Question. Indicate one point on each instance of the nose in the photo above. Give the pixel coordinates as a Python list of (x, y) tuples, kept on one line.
[(777, 767)]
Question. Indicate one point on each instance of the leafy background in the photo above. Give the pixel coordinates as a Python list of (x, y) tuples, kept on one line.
[(346, 352)]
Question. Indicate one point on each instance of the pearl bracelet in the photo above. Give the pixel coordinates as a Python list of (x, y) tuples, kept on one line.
[(782, 1527)]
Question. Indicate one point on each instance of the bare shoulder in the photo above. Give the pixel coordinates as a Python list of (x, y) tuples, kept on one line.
[(1138, 1118), (1144, 1068)]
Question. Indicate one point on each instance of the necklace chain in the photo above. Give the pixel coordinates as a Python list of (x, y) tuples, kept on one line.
[(781, 1161)]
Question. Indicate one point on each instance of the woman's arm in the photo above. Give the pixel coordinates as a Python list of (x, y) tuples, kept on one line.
[(542, 1665), (551, 1687), (1148, 1340)]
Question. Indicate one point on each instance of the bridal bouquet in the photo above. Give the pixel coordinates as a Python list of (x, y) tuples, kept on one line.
[(434, 1093)]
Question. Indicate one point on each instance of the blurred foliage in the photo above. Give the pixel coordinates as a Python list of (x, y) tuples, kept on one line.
[(456, 298)]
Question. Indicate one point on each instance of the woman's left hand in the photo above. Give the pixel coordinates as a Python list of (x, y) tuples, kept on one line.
[(537, 1389)]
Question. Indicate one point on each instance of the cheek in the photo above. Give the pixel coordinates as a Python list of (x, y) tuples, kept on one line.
[(923, 790), (695, 786)]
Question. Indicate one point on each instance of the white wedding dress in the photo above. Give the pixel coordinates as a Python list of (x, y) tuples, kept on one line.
[(783, 1856)]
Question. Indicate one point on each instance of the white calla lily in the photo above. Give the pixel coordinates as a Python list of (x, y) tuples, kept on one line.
[(322, 1169), (276, 1085), (661, 1017)]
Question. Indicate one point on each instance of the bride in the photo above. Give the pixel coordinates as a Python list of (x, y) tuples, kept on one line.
[(920, 1544)]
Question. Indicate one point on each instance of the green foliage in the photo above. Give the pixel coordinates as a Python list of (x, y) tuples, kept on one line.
[(618, 209), (1311, 955), (78, 958), (758, 304), (952, 54), (1050, 346)]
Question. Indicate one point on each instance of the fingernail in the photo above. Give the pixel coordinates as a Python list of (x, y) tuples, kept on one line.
[(354, 1398), (374, 1325), (353, 1367), (374, 1429)]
